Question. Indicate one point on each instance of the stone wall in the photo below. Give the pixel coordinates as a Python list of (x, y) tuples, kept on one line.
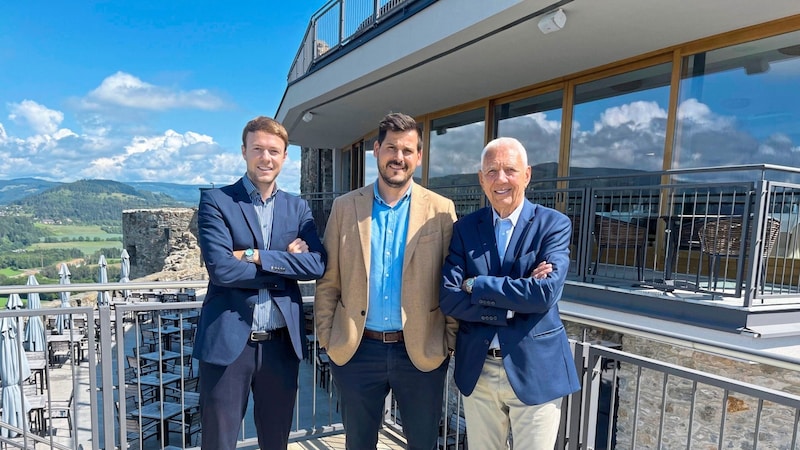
[(162, 243)]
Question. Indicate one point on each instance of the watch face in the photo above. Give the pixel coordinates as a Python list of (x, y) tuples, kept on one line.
[(249, 252)]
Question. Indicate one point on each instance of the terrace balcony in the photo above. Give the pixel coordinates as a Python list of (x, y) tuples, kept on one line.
[(131, 360)]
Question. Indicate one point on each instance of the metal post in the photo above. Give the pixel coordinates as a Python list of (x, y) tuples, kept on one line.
[(107, 385)]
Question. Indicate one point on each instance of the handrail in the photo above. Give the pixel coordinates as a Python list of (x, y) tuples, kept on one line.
[(696, 343), (344, 32), (89, 287)]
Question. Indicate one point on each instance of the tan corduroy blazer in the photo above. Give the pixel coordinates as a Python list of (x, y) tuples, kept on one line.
[(342, 295)]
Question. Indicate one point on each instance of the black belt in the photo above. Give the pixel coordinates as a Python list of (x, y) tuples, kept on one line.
[(494, 353), (387, 337), (258, 336)]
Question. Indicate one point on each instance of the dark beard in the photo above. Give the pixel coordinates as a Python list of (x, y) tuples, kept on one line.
[(390, 182)]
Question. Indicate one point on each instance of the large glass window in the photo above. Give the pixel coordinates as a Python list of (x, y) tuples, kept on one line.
[(619, 123), (740, 105), (536, 122), (369, 163), (455, 158), (455, 149)]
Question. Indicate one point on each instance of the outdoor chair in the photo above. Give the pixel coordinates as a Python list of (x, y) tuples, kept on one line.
[(58, 352), (189, 424), (139, 367), (722, 238), (150, 339), (323, 369), (60, 410), (137, 432), (613, 235)]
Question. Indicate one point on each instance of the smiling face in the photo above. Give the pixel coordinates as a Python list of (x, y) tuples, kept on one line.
[(397, 158), (504, 176), (264, 154)]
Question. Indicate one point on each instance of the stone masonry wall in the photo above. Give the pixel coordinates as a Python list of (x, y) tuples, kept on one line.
[(162, 243)]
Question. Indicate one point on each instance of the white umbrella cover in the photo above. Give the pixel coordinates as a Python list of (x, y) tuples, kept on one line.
[(125, 272), (103, 297), (63, 320), (34, 329), (14, 369)]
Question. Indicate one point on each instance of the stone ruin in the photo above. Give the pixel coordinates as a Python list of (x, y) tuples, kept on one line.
[(162, 244)]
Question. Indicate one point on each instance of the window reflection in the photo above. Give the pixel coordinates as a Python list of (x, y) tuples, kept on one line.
[(740, 105), (619, 123), (455, 149), (536, 123), (369, 163), (456, 143)]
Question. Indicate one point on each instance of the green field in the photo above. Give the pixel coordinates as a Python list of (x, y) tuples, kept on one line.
[(75, 231), (10, 272), (89, 232)]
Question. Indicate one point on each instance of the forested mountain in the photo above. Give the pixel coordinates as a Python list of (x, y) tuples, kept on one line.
[(19, 188), (12, 190), (97, 202)]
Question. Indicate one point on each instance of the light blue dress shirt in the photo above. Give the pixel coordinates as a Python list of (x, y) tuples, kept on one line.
[(266, 315), (503, 229), (388, 231)]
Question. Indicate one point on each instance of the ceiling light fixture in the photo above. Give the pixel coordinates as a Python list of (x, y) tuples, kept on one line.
[(552, 21), (308, 117)]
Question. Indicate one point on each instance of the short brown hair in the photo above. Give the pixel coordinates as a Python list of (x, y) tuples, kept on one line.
[(267, 125), (399, 122)]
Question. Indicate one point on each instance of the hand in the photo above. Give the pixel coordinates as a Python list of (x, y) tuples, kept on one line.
[(542, 270), (297, 246)]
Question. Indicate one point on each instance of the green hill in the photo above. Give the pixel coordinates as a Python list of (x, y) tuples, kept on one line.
[(97, 202)]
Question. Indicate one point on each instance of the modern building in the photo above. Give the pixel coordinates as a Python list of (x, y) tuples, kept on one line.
[(668, 131), (652, 96)]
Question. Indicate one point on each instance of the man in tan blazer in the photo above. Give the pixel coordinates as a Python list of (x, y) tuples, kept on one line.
[(377, 306)]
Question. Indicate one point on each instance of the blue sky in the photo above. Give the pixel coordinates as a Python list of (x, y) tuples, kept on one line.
[(142, 91)]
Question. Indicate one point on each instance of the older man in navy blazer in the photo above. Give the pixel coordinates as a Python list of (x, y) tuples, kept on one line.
[(502, 280), (257, 242)]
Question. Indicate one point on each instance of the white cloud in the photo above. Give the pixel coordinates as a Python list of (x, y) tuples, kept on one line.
[(123, 89), (691, 110), (636, 115), (3, 135), (40, 118)]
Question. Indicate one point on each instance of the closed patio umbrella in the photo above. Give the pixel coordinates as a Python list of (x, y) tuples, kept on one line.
[(103, 297), (125, 272), (14, 370), (34, 329), (63, 320)]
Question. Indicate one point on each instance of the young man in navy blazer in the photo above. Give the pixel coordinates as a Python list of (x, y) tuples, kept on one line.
[(257, 243), (502, 280)]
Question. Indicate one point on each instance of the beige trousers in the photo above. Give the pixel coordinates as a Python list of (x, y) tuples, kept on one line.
[(493, 407)]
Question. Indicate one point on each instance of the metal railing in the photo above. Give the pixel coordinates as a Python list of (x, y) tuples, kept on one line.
[(626, 398), (337, 23), (723, 232)]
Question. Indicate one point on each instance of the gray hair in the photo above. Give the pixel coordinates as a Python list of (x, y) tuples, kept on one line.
[(506, 142)]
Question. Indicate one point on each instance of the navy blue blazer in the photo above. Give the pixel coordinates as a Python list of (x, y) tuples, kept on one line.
[(227, 221), (536, 353)]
